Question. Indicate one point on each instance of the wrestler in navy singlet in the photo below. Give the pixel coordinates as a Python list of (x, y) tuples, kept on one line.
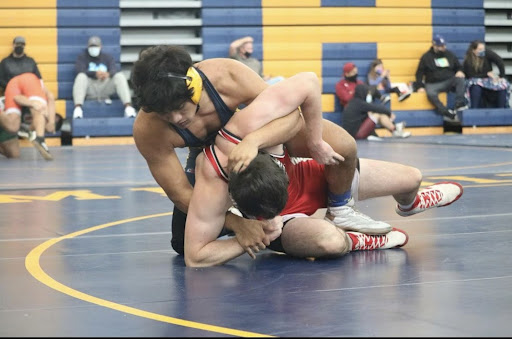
[(195, 146)]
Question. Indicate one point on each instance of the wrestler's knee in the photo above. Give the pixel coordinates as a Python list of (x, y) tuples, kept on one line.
[(11, 123), (332, 244), (10, 149), (414, 177)]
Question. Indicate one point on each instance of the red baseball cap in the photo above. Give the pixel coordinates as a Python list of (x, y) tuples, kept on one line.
[(349, 66)]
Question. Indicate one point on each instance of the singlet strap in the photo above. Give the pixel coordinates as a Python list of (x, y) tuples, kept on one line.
[(223, 132), (209, 152), (220, 106)]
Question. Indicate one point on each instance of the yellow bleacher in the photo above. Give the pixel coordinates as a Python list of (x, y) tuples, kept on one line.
[(28, 4), (29, 17), (346, 16)]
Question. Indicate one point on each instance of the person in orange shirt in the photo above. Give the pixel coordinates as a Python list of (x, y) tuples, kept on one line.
[(26, 90)]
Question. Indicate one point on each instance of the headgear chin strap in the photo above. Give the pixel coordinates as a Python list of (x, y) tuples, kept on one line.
[(193, 81)]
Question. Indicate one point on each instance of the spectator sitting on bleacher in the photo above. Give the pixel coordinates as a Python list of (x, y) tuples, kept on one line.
[(345, 87), (241, 50), (361, 116), (98, 78), (486, 89), (438, 71), (378, 77)]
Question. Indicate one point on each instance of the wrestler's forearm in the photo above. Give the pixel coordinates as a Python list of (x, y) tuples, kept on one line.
[(214, 253), (311, 108), (22, 100), (277, 131)]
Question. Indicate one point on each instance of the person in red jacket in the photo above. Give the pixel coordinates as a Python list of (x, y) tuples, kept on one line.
[(345, 88)]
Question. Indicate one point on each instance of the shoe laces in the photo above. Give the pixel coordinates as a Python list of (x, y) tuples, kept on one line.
[(370, 242), (430, 198)]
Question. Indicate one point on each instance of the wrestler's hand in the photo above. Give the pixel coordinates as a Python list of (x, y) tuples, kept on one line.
[(273, 228), (324, 154), (251, 235), (242, 155), (37, 105)]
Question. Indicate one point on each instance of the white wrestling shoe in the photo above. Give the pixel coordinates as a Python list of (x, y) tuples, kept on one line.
[(349, 219), (395, 238), (437, 195)]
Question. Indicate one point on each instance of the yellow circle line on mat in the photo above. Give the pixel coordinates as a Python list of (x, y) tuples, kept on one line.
[(34, 268)]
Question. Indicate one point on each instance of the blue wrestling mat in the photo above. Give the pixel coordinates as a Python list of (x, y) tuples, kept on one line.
[(484, 140)]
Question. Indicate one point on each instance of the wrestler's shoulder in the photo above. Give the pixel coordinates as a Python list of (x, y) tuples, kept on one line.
[(148, 127), (219, 66)]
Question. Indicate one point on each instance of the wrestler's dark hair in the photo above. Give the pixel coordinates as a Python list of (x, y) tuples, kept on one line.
[(153, 90), (261, 190)]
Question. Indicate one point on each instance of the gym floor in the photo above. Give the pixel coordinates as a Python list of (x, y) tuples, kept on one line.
[(84, 251)]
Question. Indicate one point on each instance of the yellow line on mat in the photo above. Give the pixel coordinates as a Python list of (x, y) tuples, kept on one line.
[(34, 268)]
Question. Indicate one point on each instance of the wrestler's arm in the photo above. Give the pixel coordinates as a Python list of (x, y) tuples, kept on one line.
[(155, 142), (205, 219), (22, 100), (276, 101)]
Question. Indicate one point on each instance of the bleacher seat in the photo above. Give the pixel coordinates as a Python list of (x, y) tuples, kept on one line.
[(77, 21), (487, 117)]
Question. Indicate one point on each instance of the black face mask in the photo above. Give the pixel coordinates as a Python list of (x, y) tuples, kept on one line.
[(247, 54), (353, 78), (19, 50)]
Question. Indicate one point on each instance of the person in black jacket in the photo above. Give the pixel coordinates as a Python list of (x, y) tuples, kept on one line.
[(361, 116), (438, 71), (486, 89), (17, 63)]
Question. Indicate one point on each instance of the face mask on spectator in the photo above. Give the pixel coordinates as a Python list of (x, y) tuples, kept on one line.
[(378, 71), (353, 78), (247, 54), (94, 51), (19, 49), (369, 98), (481, 54)]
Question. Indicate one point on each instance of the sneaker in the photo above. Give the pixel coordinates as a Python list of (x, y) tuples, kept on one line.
[(349, 219), (108, 101), (41, 146), (26, 133), (404, 96), (395, 238), (385, 99), (373, 138), (129, 112), (402, 134), (450, 115), (461, 106), (437, 195), (78, 113), (399, 131)]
